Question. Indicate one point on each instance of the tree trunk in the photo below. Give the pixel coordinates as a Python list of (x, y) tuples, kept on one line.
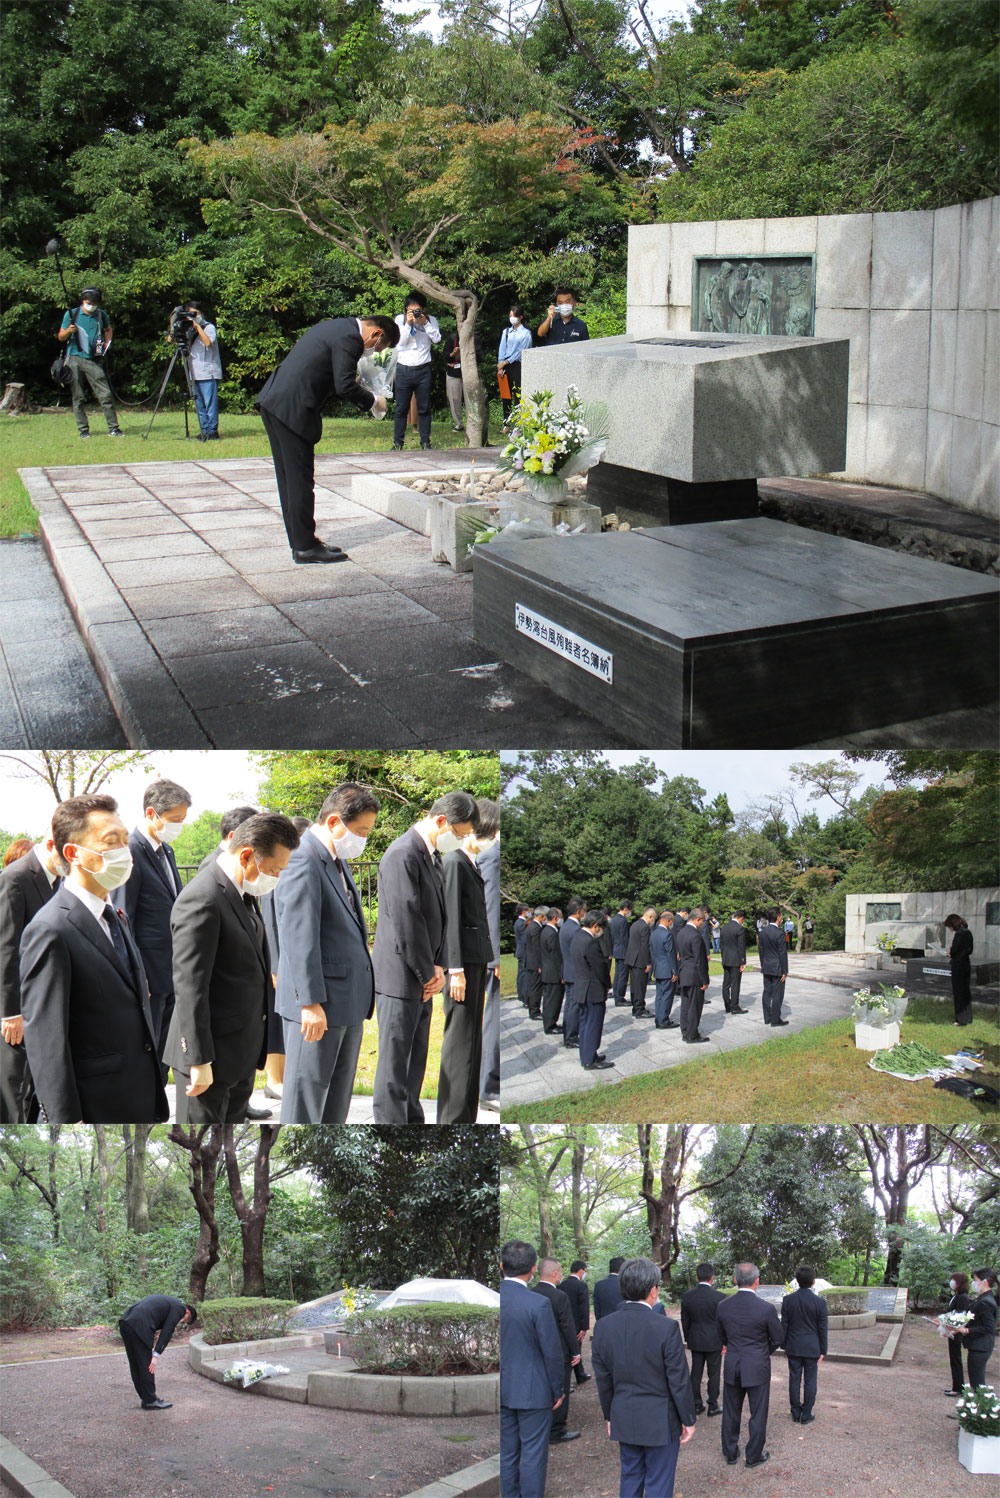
[(251, 1219), (204, 1145), (136, 1200), (13, 402), (579, 1153), (54, 1132), (543, 1180)]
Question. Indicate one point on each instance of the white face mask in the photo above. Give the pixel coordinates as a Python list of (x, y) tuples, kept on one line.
[(448, 841), (169, 832), (515, 322), (951, 1285), (262, 885), (349, 844), (117, 866), (89, 307), (564, 310)]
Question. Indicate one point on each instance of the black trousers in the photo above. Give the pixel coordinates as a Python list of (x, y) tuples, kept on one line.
[(462, 1050), (692, 1003), (552, 997), (621, 980), (713, 1362), (638, 980), (955, 1362), (404, 1027), (572, 1018), (513, 373), (139, 1358), (977, 1367), (962, 995), (412, 379), (759, 1396), (802, 1384), (591, 1030), (294, 468), (533, 993), (731, 979), (220, 1104), (522, 983), (13, 1074), (774, 992)]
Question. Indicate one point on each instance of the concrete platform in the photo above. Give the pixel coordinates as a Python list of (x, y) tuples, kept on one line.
[(741, 633)]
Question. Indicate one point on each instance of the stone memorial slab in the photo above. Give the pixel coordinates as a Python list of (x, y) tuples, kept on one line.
[(740, 633)]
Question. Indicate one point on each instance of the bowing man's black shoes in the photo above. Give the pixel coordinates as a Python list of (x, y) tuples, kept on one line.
[(765, 1456), (158, 1404), (321, 553), (715, 1409), (598, 1065), (563, 1437)]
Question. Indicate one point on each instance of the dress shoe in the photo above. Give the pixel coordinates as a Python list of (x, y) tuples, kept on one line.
[(669, 1024), (584, 1378), (621, 1004), (739, 1011), (397, 447), (426, 447), (765, 1456), (777, 1022), (321, 553), (258, 1112), (715, 1409), (732, 1460), (158, 1404), (571, 1045), (806, 1419), (699, 1040), (538, 1017), (796, 1418), (699, 1408), (490, 1104), (563, 1437), (601, 1056), (598, 1065), (952, 1393), (555, 1030)]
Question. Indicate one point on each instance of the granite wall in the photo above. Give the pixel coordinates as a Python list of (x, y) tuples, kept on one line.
[(918, 296), (980, 907)]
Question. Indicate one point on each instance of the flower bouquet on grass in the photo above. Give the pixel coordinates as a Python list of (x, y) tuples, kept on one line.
[(247, 1371), (549, 446), (882, 1006)]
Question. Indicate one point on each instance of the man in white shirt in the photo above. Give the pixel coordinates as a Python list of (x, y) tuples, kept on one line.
[(204, 371), (417, 332)]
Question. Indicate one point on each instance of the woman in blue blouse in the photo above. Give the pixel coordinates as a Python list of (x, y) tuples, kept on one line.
[(514, 340)]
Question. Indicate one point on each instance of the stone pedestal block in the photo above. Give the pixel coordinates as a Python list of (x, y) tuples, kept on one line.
[(647, 499)]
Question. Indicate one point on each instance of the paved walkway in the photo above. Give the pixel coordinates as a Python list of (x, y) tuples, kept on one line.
[(206, 634), (360, 1110)]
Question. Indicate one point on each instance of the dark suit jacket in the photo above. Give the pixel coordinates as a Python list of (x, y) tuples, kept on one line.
[(323, 940), (533, 947), (222, 972), (692, 959), (322, 364), (88, 1028), (24, 889), (156, 1313), (532, 1373), (563, 1314), (489, 867), (410, 934), (618, 926), (607, 1296), (467, 938), (551, 956), (576, 1292), (662, 953), (699, 1318), (733, 944), (147, 900), (569, 929), (590, 970), (960, 952), (642, 1376), (520, 927), (804, 1319), (772, 949), (638, 944), (751, 1331), (981, 1333)]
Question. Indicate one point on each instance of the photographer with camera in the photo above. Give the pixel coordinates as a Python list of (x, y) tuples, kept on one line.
[(204, 367), (417, 332), (90, 329)]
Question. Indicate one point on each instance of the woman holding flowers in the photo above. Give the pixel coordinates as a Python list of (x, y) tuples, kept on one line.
[(960, 1301)]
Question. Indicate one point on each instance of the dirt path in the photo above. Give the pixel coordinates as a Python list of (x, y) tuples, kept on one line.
[(80, 1419), (879, 1433)]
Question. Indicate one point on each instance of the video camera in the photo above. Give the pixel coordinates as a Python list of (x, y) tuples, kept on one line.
[(180, 329)]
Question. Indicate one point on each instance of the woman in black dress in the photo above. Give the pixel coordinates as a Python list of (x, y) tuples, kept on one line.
[(981, 1334), (961, 1300), (961, 968)]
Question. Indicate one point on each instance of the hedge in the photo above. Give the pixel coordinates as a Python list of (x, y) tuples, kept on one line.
[(244, 1319), (430, 1339)]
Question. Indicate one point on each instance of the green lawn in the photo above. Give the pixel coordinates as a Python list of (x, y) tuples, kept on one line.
[(816, 1077), (51, 440)]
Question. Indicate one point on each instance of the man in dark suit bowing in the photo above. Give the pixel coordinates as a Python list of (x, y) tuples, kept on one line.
[(576, 909), (323, 364), (552, 984), (325, 989), (692, 975), (550, 1285), (488, 864), (409, 952), (700, 1325), (467, 947), (638, 960), (663, 962), (26, 885), (222, 972), (590, 988), (643, 1384), (608, 1291), (533, 961), (531, 1376), (750, 1331), (618, 926), (574, 1287), (146, 1329), (520, 927), (733, 951), (804, 1322), (774, 966), (152, 888), (88, 1028)]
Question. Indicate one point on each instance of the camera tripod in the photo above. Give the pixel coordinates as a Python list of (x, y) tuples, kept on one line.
[(181, 354)]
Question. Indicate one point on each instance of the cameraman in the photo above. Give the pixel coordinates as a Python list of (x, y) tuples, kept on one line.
[(417, 331), (205, 372), (90, 328)]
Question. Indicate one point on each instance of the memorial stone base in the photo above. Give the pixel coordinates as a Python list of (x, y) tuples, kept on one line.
[(740, 633), (651, 499)]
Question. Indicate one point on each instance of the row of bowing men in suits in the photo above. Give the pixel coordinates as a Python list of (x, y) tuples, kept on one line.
[(649, 1395), (113, 971)]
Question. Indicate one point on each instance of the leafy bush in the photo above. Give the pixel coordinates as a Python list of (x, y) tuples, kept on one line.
[(244, 1319), (427, 1339), (845, 1302), (29, 1291)]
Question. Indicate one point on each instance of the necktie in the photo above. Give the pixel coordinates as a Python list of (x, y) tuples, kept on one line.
[(118, 940), (161, 854), (255, 918)]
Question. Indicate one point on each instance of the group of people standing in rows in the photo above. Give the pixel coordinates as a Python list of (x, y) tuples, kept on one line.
[(113, 972), (564, 967), (649, 1395)]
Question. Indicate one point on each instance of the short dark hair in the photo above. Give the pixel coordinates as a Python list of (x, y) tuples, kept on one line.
[(388, 328), (772, 912), (553, 911), (517, 309), (457, 806), (265, 832), (565, 291), (301, 824), (626, 905), (806, 1276), (70, 818), (414, 299), (577, 1264), (637, 1278), (517, 1257), (598, 918), (705, 1271), (575, 905), (349, 801), (489, 817), (989, 1275), (193, 1312), (738, 913), (615, 1264), (163, 795), (232, 819)]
